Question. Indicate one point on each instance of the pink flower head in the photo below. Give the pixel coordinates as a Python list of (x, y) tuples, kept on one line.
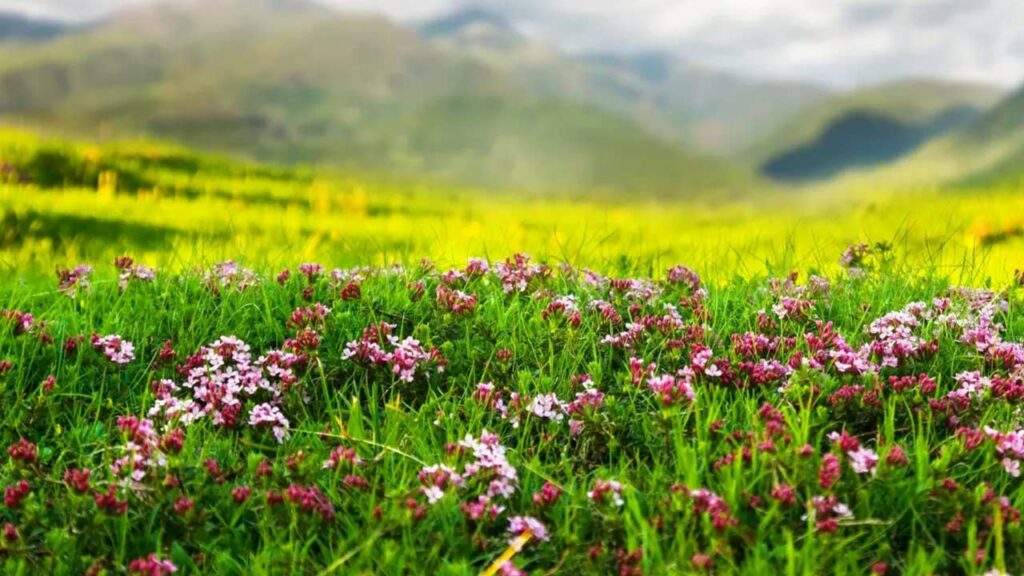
[(519, 524)]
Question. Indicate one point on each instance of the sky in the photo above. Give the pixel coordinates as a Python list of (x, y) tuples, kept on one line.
[(841, 43)]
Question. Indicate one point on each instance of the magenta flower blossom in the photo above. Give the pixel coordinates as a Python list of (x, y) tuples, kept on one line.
[(406, 358), (863, 460), (116, 349), (520, 524), (130, 272), (605, 491), (673, 389), (224, 382), (547, 407), (71, 281), (151, 566), (230, 275), (268, 416)]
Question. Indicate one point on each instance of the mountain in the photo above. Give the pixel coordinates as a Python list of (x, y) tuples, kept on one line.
[(677, 100), (869, 127), (474, 26), (16, 28), (986, 151), (292, 81)]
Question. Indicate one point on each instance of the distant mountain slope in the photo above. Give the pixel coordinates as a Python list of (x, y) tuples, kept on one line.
[(16, 28), (860, 139), (286, 80), (868, 127), (996, 139), (672, 98)]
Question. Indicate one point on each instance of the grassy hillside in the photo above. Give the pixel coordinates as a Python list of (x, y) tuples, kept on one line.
[(869, 126), (673, 98), (287, 81), (794, 384), (65, 202), (986, 152)]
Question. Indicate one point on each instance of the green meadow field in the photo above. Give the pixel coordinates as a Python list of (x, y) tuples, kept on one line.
[(291, 289), (176, 209)]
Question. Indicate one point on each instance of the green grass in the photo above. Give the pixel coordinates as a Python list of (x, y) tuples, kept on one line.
[(181, 211), (900, 513)]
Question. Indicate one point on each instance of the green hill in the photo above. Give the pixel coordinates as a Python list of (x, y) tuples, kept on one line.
[(672, 98), (869, 127), (16, 28), (989, 150), (290, 81)]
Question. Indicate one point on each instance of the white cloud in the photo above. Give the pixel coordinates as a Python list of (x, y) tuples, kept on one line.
[(842, 42)]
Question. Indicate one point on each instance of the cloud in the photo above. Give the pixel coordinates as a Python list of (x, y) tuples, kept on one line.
[(839, 42)]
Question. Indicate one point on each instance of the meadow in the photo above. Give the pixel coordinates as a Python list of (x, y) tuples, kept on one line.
[(380, 381), (173, 208)]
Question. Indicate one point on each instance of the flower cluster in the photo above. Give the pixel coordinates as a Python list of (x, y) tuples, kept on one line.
[(71, 281), (406, 358), (225, 383), (129, 272), (116, 349)]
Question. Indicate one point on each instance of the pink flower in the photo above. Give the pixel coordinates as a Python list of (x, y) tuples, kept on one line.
[(115, 348), (520, 524), (268, 416), (547, 407), (605, 491), (673, 389), (863, 460), (151, 566)]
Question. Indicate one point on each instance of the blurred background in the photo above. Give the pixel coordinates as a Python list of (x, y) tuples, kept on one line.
[(648, 130)]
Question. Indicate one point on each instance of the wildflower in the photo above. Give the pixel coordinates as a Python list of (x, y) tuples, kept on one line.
[(456, 301), (896, 458), (564, 306), (673, 389), (109, 503), (638, 371), (520, 524), (78, 480), (828, 473), (10, 532), (1010, 446), (311, 499), (508, 568), (701, 561), (342, 457), (16, 493), (268, 416), (115, 348), (240, 494), (311, 270), (706, 501), (183, 505), (605, 491), (22, 451), (547, 407), (130, 272), (435, 479), (548, 495), (406, 358), (517, 273), (684, 276), (151, 566), (351, 291), (229, 275), (863, 460), (784, 494), (73, 280)]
